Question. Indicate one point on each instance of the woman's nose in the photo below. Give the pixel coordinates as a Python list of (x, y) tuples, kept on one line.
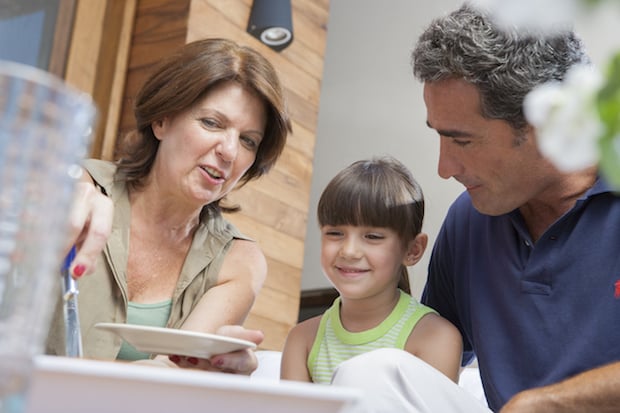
[(228, 146)]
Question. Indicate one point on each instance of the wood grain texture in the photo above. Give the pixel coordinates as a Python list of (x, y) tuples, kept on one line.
[(117, 87), (97, 61), (160, 28), (62, 37)]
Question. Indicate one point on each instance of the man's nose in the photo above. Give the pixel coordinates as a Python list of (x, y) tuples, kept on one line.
[(448, 164)]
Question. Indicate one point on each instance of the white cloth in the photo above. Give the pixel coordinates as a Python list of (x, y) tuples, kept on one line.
[(393, 380)]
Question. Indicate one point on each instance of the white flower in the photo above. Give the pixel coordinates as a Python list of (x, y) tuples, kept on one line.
[(566, 119)]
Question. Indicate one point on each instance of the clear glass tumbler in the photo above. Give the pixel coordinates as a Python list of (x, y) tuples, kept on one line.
[(45, 131)]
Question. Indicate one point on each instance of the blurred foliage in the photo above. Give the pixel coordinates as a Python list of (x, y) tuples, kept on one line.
[(608, 103)]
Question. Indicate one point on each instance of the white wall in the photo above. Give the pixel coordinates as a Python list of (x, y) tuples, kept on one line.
[(371, 104)]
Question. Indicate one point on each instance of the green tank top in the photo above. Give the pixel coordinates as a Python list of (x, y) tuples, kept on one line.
[(154, 315), (334, 345)]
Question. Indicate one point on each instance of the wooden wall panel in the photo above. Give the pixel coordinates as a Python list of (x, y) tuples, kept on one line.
[(160, 28), (275, 207), (97, 62)]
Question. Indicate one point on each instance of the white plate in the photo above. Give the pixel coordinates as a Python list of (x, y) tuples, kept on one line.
[(168, 341)]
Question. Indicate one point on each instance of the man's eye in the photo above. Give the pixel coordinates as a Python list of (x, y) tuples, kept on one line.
[(460, 142)]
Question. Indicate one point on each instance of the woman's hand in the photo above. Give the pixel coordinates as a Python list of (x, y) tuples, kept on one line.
[(90, 224), (238, 362)]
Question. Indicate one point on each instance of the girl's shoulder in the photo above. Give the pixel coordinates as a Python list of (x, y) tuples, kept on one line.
[(430, 330), (307, 328), (438, 342)]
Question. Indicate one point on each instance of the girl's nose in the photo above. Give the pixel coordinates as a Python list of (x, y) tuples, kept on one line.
[(350, 249)]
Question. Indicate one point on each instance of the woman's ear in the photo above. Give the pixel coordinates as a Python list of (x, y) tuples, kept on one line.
[(159, 128), (416, 249)]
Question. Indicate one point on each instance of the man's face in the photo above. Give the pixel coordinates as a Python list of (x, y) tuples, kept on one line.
[(501, 168)]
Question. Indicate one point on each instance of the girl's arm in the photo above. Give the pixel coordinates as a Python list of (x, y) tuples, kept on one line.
[(439, 343), (296, 349)]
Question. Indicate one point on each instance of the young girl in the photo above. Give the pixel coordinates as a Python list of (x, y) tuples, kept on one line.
[(370, 216)]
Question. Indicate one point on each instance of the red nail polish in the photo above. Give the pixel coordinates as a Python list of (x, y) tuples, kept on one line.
[(192, 360), (174, 358), (79, 270)]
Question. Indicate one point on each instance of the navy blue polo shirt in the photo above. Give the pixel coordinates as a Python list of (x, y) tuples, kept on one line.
[(533, 314)]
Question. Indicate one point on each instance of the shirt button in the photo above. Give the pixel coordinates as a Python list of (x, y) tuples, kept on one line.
[(553, 238), (527, 243)]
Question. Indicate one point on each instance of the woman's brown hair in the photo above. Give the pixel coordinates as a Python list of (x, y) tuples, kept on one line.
[(182, 80)]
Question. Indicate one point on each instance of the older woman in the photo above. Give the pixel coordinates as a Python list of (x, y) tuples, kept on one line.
[(209, 118)]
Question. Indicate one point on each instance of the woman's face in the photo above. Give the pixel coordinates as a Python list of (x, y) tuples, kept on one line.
[(205, 150)]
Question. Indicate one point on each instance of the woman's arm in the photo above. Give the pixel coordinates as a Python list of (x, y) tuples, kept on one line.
[(241, 277), (224, 307)]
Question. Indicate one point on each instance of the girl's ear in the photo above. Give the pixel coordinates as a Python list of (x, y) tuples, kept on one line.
[(415, 249)]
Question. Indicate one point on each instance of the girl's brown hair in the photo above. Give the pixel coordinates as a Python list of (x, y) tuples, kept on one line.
[(379, 192)]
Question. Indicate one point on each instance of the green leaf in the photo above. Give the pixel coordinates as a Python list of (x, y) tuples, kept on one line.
[(610, 159)]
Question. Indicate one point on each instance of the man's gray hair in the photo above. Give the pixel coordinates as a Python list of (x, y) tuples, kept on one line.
[(503, 64)]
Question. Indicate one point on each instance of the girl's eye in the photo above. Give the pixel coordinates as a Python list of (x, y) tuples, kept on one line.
[(374, 236), (331, 233)]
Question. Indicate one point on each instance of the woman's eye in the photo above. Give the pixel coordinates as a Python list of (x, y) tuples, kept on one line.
[(210, 123), (249, 142)]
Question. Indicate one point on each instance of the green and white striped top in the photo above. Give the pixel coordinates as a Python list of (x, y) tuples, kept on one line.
[(334, 345)]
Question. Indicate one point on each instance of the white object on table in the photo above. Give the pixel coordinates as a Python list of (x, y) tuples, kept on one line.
[(71, 385)]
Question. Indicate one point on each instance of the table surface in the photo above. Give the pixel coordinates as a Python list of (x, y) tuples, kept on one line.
[(67, 385)]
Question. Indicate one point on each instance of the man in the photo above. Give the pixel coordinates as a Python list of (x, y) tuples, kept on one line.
[(526, 262)]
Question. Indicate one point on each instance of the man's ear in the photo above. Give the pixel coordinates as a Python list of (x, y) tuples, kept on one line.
[(416, 249)]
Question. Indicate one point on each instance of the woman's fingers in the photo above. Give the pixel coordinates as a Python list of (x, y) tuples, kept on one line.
[(237, 362), (90, 225)]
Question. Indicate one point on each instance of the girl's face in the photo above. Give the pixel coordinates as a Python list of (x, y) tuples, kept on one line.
[(205, 150), (362, 261)]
